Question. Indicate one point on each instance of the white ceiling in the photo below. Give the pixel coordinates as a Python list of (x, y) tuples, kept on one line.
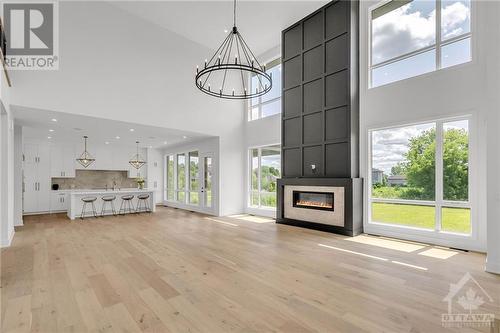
[(259, 22), (71, 128)]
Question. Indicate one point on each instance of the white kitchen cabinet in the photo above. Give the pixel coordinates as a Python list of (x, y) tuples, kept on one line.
[(104, 158), (37, 182), (155, 173), (62, 161), (136, 173), (58, 202)]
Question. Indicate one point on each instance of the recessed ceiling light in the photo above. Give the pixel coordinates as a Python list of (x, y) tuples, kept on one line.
[(51, 130), (54, 119), (184, 137), (49, 137), (117, 137), (131, 130), (107, 142), (225, 31), (150, 146), (165, 142)]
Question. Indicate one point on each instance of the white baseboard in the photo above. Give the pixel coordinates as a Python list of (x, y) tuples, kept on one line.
[(8, 241), (493, 267)]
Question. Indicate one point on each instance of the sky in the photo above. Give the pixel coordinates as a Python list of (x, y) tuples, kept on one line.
[(412, 27), (390, 145)]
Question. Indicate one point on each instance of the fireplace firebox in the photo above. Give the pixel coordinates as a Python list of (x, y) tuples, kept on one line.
[(313, 200)]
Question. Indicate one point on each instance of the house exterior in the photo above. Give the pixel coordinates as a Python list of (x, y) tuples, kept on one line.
[(396, 180), (377, 176)]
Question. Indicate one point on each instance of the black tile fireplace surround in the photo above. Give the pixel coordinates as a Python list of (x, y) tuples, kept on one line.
[(320, 120)]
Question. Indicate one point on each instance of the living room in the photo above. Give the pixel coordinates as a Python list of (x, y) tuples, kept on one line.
[(288, 166)]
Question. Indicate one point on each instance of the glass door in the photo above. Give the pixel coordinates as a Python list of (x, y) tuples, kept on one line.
[(207, 179)]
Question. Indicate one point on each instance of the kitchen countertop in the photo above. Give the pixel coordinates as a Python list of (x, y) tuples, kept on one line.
[(98, 192)]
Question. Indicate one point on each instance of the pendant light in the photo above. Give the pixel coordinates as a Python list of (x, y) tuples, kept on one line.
[(85, 158), (229, 70), (137, 161)]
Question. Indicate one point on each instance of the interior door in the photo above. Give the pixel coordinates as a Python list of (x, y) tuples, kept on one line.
[(207, 177)]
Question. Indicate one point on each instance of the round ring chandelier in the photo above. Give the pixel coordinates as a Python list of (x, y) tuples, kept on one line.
[(228, 73)]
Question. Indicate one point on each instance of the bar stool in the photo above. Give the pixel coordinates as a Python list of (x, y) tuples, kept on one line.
[(111, 200), (126, 204), (88, 200), (143, 199)]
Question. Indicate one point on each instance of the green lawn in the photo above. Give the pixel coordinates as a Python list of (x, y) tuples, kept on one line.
[(453, 219)]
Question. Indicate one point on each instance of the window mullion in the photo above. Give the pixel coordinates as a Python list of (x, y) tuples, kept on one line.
[(438, 34), (439, 173), (259, 188), (174, 174)]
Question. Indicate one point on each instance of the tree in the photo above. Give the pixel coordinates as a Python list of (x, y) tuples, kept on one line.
[(398, 169), (456, 165), (420, 166), (420, 163)]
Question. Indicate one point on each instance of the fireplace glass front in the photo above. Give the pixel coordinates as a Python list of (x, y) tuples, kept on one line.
[(313, 200)]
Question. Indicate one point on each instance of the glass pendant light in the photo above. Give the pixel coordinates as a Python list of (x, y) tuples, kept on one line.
[(85, 158), (137, 161)]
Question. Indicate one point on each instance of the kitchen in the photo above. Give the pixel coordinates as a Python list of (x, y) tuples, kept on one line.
[(71, 165)]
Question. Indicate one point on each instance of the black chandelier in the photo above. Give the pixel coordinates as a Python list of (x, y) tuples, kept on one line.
[(234, 62)]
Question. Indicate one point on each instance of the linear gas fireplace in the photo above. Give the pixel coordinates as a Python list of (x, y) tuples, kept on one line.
[(313, 200)]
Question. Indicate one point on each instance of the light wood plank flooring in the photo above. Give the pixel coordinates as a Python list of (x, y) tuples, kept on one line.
[(176, 271)]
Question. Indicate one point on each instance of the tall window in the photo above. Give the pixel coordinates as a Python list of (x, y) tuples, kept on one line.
[(409, 38), (193, 178), (181, 178), (420, 176), (265, 166), (270, 103), (170, 177)]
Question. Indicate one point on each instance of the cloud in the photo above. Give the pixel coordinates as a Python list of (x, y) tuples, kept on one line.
[(389, 146), (455, 19), (411, 27)]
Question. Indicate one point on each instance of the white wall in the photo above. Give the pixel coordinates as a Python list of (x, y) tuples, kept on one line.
[(493, 142), (6, 175), (118, 66), (460, 90), (18, 175), (258, 133)]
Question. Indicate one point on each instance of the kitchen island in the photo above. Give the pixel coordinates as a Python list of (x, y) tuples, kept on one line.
[(76, 203)]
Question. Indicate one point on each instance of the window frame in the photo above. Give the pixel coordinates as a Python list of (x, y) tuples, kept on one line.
[(174, 178), (190, 190), (177, 189), (439, 203), (250, 190), (273, 63), (437, 45)]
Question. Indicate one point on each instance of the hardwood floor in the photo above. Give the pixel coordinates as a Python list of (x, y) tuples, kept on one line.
[(176, 271)]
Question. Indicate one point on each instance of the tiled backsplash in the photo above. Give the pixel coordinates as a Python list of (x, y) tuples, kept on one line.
[(96, 179)]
